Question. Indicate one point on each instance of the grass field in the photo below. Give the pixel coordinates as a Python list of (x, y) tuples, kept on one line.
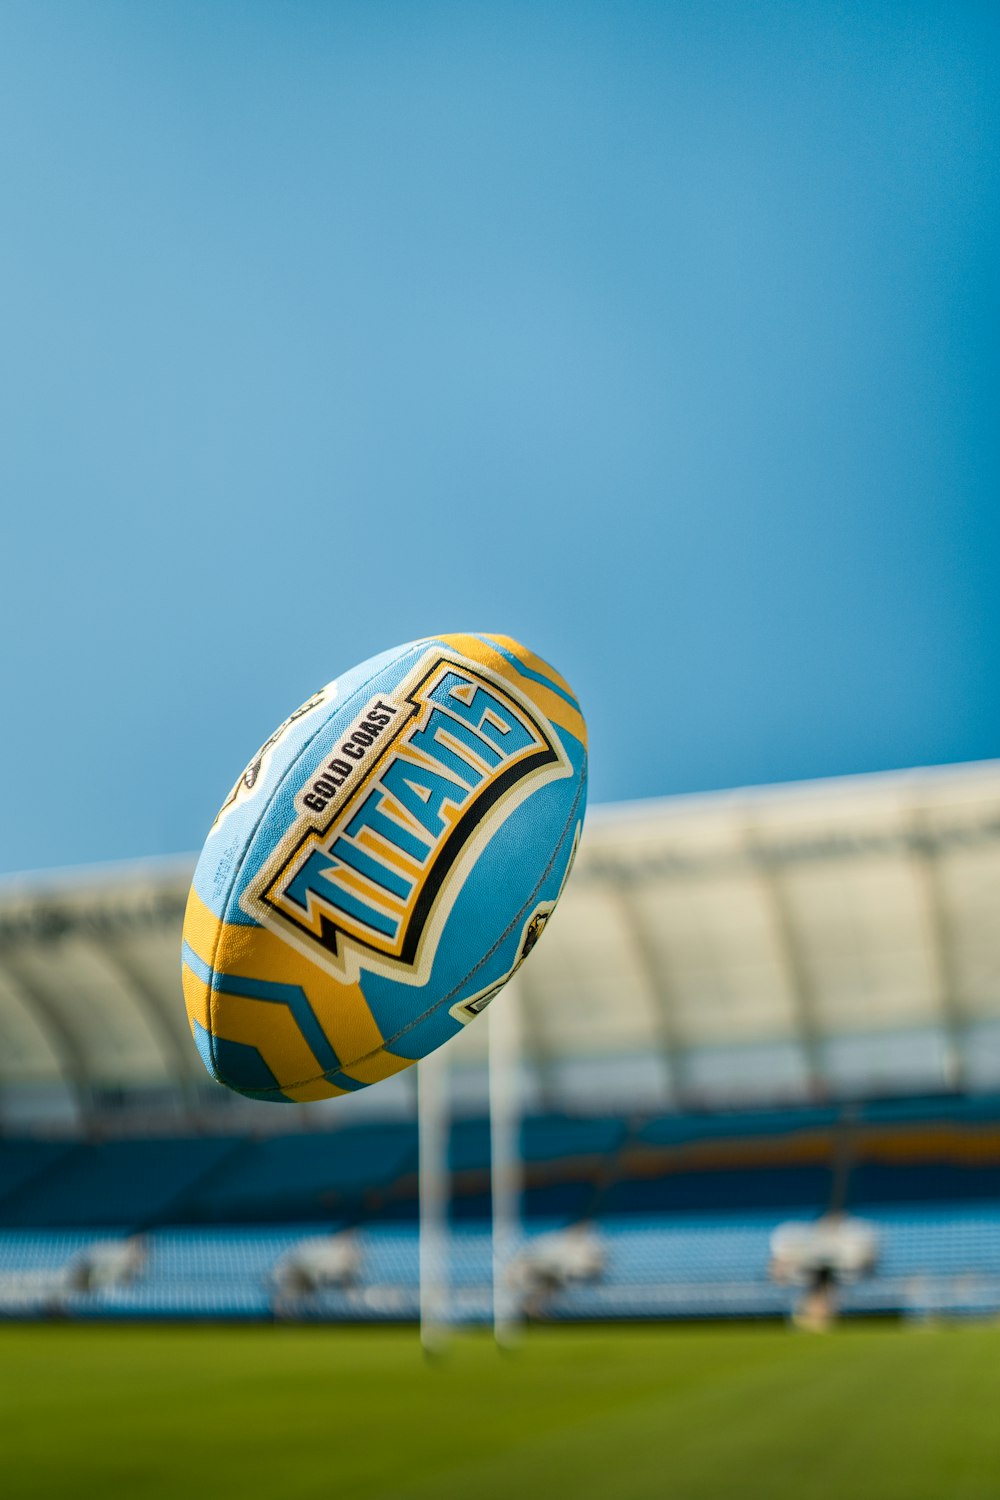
[(628, 1414)]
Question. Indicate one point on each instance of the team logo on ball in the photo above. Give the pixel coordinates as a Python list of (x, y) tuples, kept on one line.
[(389, 826), (251, 778)]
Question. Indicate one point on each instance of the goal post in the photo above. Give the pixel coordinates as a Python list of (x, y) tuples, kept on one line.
[(434, 1179), (433, 1188), (505, 1161)]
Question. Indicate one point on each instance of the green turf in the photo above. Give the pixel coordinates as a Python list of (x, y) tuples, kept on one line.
[(633, 1414)]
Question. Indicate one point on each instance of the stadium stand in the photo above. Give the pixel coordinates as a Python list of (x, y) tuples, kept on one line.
[(685, 1205), (920, 1150), (933, 1261), (130, 1182), (751, 1008)]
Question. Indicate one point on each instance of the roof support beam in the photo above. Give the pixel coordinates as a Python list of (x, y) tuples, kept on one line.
[(179, 1056), (621, 887), (537, 1052), (65, 1043), (927, 867), (799, 980)]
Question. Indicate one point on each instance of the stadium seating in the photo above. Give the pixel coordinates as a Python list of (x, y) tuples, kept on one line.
[(129, 1183), (27, 1161), (932, 1261), (308, 1178), (574, 1167), (684, 1206)]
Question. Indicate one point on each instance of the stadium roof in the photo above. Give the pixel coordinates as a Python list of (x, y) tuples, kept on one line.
[(825, 938)]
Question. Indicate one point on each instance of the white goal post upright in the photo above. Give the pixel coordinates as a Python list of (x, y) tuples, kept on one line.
[(432, 1146), (505, 1159), (433, 1114)]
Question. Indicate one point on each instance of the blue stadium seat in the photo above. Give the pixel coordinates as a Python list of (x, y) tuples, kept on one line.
[(312, 1178), (128, 1183), (23, 1162)]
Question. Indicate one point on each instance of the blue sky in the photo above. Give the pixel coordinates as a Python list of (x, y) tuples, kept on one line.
[(660, 336)]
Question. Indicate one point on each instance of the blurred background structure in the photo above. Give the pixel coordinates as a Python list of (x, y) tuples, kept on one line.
[(752, 1009)]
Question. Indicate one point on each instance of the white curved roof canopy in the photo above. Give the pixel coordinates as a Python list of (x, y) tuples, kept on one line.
[(837, 937)]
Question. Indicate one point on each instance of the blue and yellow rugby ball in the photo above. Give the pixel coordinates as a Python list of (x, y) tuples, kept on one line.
[(383, 865)]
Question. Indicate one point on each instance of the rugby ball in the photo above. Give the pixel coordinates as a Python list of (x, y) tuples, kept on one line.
[(383, 865)]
